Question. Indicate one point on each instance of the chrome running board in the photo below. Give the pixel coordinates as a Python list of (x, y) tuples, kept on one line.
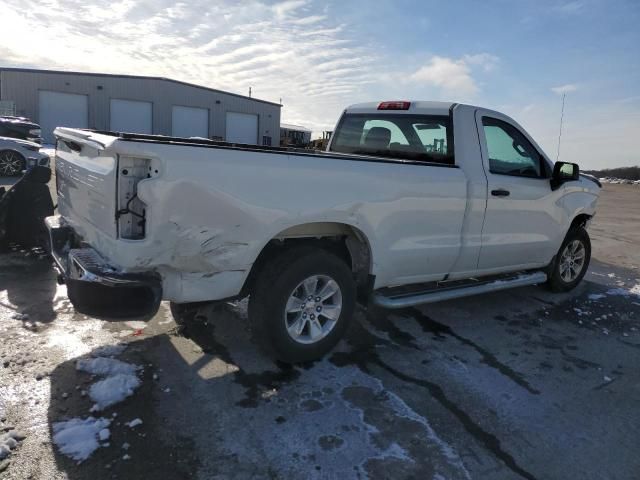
[(403, 300)]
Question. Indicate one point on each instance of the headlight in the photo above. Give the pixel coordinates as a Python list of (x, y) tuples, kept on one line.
[(33, 148)]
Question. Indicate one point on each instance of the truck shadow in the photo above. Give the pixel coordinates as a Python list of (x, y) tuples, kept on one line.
[(214, 386), (29, 279)]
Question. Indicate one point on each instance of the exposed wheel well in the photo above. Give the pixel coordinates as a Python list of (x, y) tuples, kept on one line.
[(12, 150), (580, 221), (344, 241)]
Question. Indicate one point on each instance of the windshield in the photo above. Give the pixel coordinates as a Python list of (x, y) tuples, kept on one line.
[(412, 137)]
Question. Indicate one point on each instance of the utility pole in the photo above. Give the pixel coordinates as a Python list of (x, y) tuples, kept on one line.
[(561, 119), (249, 92)]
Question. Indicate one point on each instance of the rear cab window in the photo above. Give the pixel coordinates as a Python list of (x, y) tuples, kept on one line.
[(426, 138)]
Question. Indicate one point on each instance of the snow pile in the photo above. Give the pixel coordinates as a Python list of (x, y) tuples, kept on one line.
[(79, 438), (635, 291), (8, 441), (105, 366), (596, 296), (109, 350), (113, 390), (134, 423), (119, 378)]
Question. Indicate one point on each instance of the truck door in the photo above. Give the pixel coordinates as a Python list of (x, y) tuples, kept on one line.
[(521, 224)]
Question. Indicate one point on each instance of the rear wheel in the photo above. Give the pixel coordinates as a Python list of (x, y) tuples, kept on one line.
[(571, 262), (11, 163), (302, 303)]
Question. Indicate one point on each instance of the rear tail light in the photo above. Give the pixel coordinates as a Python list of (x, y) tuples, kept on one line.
[(394, 106)]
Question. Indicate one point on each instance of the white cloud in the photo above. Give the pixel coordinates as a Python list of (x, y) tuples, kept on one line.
[(309, 20), (454, 76), (484, 60), (289, 49), (283, 9), (562, 89)]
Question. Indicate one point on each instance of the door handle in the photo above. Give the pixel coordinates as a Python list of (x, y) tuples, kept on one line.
[(500, 193)]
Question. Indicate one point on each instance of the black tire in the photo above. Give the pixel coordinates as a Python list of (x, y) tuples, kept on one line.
[(556, 282), (6, 164), (274, 285)]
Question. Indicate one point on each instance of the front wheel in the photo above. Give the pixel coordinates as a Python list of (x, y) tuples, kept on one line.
[(571, 262), (302, 302)]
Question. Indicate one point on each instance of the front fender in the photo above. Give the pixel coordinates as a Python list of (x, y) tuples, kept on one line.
[(579, 198)]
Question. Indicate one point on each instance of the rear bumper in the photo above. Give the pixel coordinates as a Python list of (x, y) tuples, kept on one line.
[(95, 287)]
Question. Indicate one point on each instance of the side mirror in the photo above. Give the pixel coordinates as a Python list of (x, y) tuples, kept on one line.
[(564, 172)]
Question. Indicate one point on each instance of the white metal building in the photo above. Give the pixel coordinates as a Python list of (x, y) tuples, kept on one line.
[(126, 103)]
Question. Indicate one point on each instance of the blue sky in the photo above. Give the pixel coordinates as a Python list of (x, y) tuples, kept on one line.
[(515, 56)]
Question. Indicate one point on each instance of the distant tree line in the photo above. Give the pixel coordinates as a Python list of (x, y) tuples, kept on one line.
[(629, 173)]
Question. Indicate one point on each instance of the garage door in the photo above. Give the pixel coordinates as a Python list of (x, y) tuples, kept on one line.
[(242, 128), (189, 122), (57, 109), (130, 116)]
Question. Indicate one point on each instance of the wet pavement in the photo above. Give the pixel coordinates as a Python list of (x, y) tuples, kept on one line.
[(516, 384)]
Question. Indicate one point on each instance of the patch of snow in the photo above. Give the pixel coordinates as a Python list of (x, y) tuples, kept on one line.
[(635, 290), (136, 324), (8, 441), (104, 434), (126, 456), (109, 350), (112, 390), (596, 296), (134, 423), (78, 438), (105, 366)]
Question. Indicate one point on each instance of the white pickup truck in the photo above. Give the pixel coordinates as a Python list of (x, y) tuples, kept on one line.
[(412, 202)]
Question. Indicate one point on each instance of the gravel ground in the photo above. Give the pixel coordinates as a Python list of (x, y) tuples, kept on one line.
[(516, 384)]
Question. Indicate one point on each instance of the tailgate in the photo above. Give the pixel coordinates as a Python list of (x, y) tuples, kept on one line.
[(86, 176)]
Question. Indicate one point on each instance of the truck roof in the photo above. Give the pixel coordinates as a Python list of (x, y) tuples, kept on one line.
[(416, 107)]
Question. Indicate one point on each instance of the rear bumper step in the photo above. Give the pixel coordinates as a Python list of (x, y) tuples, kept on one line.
[(404, 300), (95, 287)]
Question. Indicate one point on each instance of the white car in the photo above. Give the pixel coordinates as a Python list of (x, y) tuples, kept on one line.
[(413, 202), (18, 155)]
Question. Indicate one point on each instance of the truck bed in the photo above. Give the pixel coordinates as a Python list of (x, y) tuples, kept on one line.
[(199, 212), (203, 142)]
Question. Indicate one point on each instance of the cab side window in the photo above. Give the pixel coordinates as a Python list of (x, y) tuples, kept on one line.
[(510, 153)]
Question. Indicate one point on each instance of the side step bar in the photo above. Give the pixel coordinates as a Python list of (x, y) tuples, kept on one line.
[(392, 301)]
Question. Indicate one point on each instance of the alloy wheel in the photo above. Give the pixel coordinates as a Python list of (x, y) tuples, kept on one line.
[(572, 261), (10, 163), (313, 309)]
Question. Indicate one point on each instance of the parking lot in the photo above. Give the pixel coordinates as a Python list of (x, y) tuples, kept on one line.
[(516, 384)]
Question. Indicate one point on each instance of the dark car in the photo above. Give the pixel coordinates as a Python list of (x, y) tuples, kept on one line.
[(21, 128)]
